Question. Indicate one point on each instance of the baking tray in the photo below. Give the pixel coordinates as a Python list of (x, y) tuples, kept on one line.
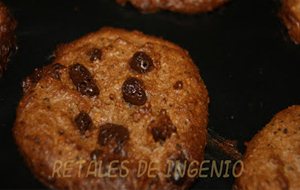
[(250, 66)]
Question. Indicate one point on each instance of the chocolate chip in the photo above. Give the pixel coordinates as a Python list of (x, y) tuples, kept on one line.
[(178, 85), (83, 122), (95, 154), (162, 128), (141, 62), (51, 70), (133, 91), (82, 79), (95, 54), (55, 70), (110, 131), (178, 170), (113, 133), (32, 80)]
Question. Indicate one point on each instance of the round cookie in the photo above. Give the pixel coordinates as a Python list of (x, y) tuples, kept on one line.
[(114, 95), (290, 15), (181, 6), (272, 157), (7, 36)]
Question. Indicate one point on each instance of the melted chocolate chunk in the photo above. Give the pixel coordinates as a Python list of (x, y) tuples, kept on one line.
[(133, 91), (83, 122), (112, 133), (162, 128), (95, 54), (178, 85), (141, 62), (82, 79)]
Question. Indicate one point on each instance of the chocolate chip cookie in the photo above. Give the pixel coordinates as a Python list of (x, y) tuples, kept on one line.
[(113, 111), (181, 6), (290, 15), (7, 36), (272, 157)]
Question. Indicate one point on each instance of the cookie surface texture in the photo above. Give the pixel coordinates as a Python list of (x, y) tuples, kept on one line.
[(272, 157)]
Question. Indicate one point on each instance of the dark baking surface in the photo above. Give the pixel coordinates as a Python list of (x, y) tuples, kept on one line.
[(251, 68)]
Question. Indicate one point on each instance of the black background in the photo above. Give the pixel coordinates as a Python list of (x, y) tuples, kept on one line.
[(250, 66)]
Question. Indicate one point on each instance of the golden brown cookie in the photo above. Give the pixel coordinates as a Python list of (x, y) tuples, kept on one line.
[(290, 15), (181, 6), (273, 156), (114, 95), (7, 36)]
